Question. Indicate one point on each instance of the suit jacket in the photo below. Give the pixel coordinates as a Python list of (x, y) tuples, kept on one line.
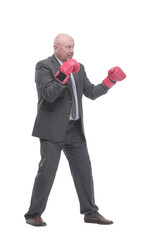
[(54, 99)]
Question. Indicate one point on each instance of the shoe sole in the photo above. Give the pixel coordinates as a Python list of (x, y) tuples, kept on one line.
[(100, 223), (35, 225)]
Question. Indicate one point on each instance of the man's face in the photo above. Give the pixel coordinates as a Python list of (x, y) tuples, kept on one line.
[(64, 49)]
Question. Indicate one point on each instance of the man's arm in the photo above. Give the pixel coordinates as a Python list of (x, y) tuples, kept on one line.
[(47, 86), (90, 90)]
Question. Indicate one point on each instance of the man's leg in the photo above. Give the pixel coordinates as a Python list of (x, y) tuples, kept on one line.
[(77, 154), (50, 155)]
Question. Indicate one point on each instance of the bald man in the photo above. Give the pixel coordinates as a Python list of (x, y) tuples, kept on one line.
[(61, 82)]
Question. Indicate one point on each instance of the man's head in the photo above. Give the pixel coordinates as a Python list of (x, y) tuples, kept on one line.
[(63, 47)]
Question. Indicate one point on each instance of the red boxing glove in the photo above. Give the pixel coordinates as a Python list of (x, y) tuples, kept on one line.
[(114, 74), (70, 66)]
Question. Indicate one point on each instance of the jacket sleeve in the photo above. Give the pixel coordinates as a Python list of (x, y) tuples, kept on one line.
[(46, 85), (90, 90)]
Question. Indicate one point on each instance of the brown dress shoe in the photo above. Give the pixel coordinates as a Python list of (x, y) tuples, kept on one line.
[(37, 221), (99, 219)]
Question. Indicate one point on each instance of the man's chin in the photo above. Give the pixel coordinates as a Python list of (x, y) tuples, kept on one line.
[(69, 57)]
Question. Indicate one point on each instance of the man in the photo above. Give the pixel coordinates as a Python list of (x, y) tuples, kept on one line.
[(61, 82)]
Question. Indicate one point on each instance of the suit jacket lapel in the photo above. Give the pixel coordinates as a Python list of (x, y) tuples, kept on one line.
[(55, 62)]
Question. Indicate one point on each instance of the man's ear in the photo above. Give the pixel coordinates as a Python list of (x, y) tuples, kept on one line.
[(55, 48)]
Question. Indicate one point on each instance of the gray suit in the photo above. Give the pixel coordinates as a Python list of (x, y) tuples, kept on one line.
[(54, 99), (56, 134)]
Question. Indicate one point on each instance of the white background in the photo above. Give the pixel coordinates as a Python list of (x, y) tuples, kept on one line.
[(122, 127)]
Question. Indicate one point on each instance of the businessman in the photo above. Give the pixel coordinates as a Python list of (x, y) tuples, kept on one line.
[(61, 82)]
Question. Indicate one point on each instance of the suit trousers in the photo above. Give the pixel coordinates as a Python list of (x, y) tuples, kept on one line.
[(75, 149)]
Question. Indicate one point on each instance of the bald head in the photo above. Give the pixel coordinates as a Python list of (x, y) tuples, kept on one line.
[(62, 37), (63, 47)]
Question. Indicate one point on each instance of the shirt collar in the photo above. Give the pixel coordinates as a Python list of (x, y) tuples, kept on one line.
[(58, 60)]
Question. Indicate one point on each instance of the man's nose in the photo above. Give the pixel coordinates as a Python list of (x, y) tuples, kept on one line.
[(71, 50)]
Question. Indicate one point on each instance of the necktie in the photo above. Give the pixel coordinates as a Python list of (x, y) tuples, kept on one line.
[(73, 102)]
